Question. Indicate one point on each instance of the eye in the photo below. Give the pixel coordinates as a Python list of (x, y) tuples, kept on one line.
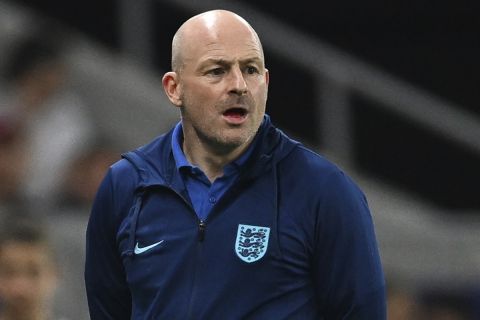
[(252, 70), (216, 71)]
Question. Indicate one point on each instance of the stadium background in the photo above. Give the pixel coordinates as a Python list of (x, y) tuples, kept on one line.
[(432, 47)]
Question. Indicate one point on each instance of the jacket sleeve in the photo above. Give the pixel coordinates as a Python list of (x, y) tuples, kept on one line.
[(349, 277), (107, 291)]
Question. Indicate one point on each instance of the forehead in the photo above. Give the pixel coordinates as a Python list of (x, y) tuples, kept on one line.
[(220, 39)]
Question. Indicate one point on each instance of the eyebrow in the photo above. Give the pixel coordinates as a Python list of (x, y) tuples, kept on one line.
[(224, 62)]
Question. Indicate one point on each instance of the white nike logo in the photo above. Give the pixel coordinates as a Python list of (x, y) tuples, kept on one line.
[(139, 250)]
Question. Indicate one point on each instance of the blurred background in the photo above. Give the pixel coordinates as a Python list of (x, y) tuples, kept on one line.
[(386, 90)]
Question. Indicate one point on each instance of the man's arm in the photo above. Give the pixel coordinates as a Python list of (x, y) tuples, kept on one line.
[(107, 291), (349, 276)]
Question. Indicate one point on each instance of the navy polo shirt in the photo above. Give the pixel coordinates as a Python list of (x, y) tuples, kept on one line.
[(204, 194)]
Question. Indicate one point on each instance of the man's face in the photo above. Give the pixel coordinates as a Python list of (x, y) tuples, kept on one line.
[(27, 277), (223, 87)]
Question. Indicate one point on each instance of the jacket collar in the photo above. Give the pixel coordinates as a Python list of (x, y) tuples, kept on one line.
[(156, 166)]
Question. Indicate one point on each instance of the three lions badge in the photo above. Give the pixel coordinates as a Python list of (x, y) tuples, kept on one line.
[(252, 242)]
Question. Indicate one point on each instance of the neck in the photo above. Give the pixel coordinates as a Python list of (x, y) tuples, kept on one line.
[(211, 160)]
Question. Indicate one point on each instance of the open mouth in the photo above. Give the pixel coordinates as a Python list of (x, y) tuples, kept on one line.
[(235, 113), (235, 116)]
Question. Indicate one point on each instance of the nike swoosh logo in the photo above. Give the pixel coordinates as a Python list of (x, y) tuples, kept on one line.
[(139, 250)]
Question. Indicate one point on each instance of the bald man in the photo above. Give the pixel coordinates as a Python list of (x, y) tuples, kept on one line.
[(224, 216)]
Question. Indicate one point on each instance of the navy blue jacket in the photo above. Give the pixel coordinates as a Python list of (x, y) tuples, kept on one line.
[(292, 239)]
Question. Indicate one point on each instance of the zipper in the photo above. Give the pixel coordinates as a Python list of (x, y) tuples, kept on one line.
[(201, 230), (199, 253), (201, 223), (202, 226)]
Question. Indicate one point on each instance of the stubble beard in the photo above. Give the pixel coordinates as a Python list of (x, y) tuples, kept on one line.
[(221, 142)]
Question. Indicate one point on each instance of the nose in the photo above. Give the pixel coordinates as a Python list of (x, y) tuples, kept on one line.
[(238, 83)]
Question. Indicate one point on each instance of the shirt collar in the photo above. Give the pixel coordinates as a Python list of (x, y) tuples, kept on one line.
[(177, 138)]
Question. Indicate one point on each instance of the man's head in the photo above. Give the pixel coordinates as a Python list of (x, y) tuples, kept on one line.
[(28, 275), (218, 80)]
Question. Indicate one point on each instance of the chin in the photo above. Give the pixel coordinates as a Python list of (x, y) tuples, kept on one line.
[(236, 142)]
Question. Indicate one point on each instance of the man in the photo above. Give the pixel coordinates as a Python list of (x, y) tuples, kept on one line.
[(225, 217), (28, 275)]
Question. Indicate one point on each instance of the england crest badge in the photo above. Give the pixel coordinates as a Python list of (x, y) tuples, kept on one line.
[(252, 242)]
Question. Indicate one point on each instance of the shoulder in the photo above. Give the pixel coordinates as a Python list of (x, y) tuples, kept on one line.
[(147, 158), (118, 184), (303, 161), (122, 175), (315, 173), (122, 169)]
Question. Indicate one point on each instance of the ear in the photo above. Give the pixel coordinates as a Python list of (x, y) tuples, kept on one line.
[(172, 87), (267, 76)]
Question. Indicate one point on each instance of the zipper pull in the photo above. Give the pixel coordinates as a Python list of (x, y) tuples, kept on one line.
[(201, 230)]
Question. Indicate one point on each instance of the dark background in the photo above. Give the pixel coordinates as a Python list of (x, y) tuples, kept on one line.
[(431, 44)]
